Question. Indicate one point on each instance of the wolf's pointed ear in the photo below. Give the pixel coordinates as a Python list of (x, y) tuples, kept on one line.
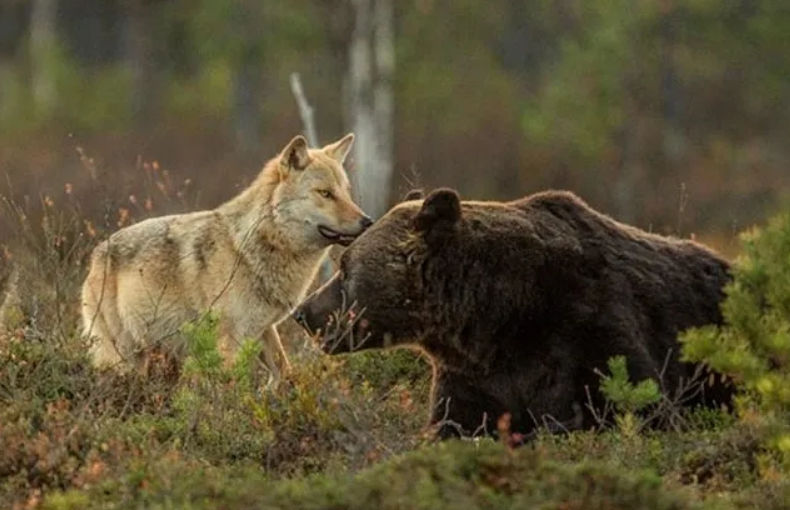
[(340, 149), (415, 194), (442, 207), (295, 155)]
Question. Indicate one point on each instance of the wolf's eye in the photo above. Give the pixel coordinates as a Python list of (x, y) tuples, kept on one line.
[(326, 194)]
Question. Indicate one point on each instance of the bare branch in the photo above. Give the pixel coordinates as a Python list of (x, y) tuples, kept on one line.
[(305, 110)]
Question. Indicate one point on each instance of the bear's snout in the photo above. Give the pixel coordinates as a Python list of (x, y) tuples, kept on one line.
[(308, 320), (334, 337), (300, 318), (316, 310)]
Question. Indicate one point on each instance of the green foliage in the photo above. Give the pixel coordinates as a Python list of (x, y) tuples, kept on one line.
[(451, 475), (84, 100), (712, 462), (246, 363), (713, 31), (64, 424), (706, 418), (384, 370), (237, 32), (753, 347), (626, 396), (203, 357), (600, 91), (210, 88), (582, 100)]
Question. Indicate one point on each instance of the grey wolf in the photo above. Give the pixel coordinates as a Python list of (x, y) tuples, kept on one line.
[(250, 261)]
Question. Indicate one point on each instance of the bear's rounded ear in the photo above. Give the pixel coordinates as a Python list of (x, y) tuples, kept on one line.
[(415, 194), (441, 207)]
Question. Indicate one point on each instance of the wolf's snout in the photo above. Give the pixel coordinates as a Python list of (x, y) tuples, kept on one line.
[(344, 237)]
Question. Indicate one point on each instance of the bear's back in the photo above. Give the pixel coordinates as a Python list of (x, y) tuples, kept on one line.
[(639, 289), (647, 260)]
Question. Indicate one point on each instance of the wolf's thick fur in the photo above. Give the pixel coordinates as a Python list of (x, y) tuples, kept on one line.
[(250, 261)]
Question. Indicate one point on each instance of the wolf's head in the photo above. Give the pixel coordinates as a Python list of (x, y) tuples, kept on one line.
[(313, 196)]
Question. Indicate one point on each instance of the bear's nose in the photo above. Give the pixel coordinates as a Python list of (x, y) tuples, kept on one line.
[(365, 222), (299, 317)]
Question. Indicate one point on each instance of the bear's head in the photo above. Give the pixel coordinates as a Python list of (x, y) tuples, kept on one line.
[(430, 269)]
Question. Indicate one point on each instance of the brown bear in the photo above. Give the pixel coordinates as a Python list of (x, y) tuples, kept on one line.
[(519, 304)]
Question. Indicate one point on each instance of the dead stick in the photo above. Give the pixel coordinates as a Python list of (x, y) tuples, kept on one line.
[(306, 112)]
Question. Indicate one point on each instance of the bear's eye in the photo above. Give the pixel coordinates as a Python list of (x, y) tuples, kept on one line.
[(325, 193)]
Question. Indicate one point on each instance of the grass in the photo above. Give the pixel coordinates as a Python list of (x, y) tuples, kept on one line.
[(344, 432), (74, 437)]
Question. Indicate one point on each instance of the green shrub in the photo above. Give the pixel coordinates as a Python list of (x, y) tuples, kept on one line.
[(385, 369), (450, 475), (64, 424), (628, 398), (753, 346)]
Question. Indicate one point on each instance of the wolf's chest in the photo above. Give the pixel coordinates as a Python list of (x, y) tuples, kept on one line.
[(274, 286)]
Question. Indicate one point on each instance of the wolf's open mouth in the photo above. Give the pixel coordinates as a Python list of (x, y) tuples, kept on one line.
[(335, 236)]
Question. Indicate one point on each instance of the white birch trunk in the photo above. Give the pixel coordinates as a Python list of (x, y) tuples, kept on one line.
[(43, 54), (371, 103), (383, 104)]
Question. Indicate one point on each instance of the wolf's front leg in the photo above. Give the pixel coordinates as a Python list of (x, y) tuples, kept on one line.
[(272, 349)]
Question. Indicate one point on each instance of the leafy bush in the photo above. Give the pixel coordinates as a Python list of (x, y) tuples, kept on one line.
[(450, 475), (62, 422), (628, 398), (753, 347), (385, 369), (625, 395)]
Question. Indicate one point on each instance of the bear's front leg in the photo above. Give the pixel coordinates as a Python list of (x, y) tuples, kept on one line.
[(460, 409)]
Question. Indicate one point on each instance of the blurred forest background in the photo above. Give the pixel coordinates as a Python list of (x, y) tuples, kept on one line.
[(670, 114)]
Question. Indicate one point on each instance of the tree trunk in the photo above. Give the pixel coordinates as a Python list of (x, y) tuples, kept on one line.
[(371, 103), (359, 91), (516, 44), (142, 59), (246, 78), (673, 140), (6, 84), (43, 57), (383, 103)]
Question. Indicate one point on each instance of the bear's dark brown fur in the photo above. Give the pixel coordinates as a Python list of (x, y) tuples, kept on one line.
[(519, 303)]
